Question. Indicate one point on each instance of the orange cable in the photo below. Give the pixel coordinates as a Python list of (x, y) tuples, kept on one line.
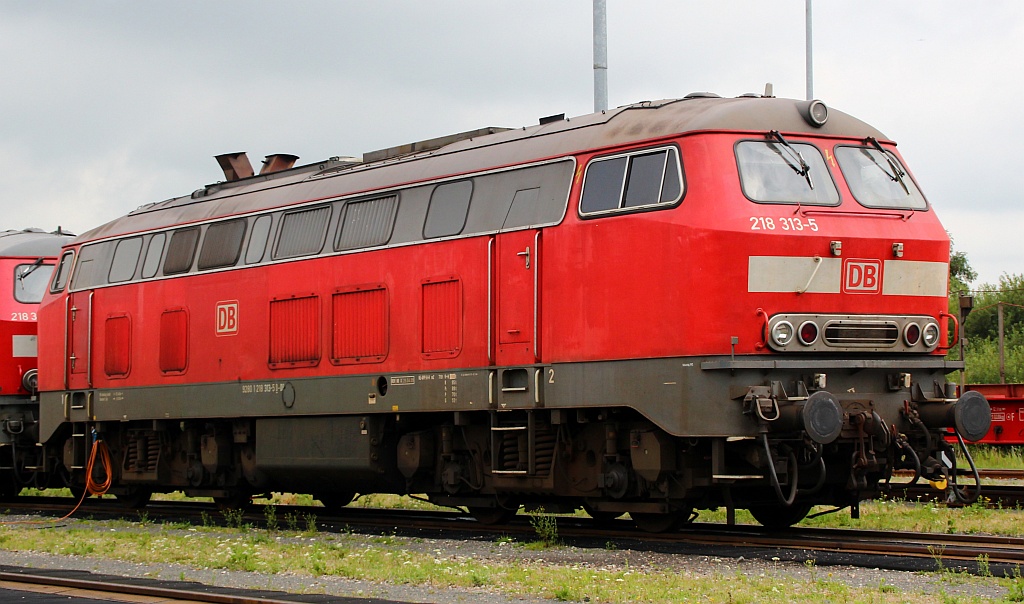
[(91, 486)]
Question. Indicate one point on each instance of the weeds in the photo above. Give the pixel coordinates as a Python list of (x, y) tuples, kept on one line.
[(310, 523), (984, 569), (885, 588), (546, 527), (1015, 590), (270, 513), (233, 517), (292, 520)]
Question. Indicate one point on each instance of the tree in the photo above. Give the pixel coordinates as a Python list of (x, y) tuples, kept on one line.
[(981, 327), (982, 331)]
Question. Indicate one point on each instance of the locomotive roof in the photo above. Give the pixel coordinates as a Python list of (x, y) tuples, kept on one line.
[(32, 243), (495, 148)]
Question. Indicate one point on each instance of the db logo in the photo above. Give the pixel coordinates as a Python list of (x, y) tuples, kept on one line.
[(227, 318), (862, 276)]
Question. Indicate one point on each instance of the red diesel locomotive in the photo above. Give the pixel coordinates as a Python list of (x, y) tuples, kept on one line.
[(665, 307), (27, 259)]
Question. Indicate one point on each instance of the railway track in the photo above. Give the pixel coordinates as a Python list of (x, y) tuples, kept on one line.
[(988, 474), (866, 548), (111, 589), (994, 494)]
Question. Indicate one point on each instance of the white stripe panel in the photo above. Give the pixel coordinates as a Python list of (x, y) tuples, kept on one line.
[(794, 273), (915, 278), (24, 346)]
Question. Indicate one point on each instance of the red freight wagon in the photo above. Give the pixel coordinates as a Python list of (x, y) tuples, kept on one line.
[(664, 307), (1007, 402)]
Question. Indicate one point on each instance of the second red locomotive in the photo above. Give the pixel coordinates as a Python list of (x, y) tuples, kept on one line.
[(27, 258), (669, 306)]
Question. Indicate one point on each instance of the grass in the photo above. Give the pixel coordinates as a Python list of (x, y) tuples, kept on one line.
[(388, 560), (292, 544), (997, 458)]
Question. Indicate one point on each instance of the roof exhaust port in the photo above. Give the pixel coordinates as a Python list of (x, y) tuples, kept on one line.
[(236, 166), (278, 162)]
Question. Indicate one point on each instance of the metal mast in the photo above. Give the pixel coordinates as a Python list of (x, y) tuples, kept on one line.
[(810, 54), (601, 55)]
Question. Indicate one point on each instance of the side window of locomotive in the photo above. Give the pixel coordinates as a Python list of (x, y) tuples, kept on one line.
[(795, 173), (88, 272), (126, 259), (877, 179), (30, 281), (258, 240), (302, 233), (153, 254), (366, 223), (181, 250), (648, 179), (222, 245), (449, 206), (60, 279)]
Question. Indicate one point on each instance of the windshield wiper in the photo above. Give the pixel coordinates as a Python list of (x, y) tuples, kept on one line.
[(795, 159), (28, 271), (897, 174)]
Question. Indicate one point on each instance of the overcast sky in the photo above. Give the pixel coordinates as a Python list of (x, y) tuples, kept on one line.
[(109, 105)]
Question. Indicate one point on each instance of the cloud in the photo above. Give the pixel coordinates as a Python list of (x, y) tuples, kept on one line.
[(109, 105)]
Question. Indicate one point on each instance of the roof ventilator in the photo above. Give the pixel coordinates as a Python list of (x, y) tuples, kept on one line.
[(236, 166), (278, 162)]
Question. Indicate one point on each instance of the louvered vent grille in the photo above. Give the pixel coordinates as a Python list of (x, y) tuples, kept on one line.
[(173, 341), (360, 326), (862, 333), (295, 331), (442, 318)]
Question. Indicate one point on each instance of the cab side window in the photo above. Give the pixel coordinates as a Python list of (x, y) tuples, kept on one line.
[(60, 276), (638, 180)]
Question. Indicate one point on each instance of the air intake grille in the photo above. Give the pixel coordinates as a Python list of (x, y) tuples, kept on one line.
[(862, 333)]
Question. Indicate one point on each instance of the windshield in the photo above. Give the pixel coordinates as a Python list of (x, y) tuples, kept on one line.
[(782, 172), (30, 282), (878, 180)]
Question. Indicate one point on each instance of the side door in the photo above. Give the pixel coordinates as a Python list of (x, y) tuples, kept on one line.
[(78, 372), (517, 265)]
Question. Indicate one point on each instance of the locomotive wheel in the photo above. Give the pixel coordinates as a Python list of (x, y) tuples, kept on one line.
[(599, 516), (8, 488), (336, 500), (491, 516), (135, 497), (78, 493), (504, 510), (657, 523), (234, 500), (778, 516)]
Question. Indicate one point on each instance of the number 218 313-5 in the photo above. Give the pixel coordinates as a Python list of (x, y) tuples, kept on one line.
[(785, 223)]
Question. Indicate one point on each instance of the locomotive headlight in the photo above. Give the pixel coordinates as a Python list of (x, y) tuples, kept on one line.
[(808, 333), (814, 112), (930, 335), (912, 334), (782, 333)]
